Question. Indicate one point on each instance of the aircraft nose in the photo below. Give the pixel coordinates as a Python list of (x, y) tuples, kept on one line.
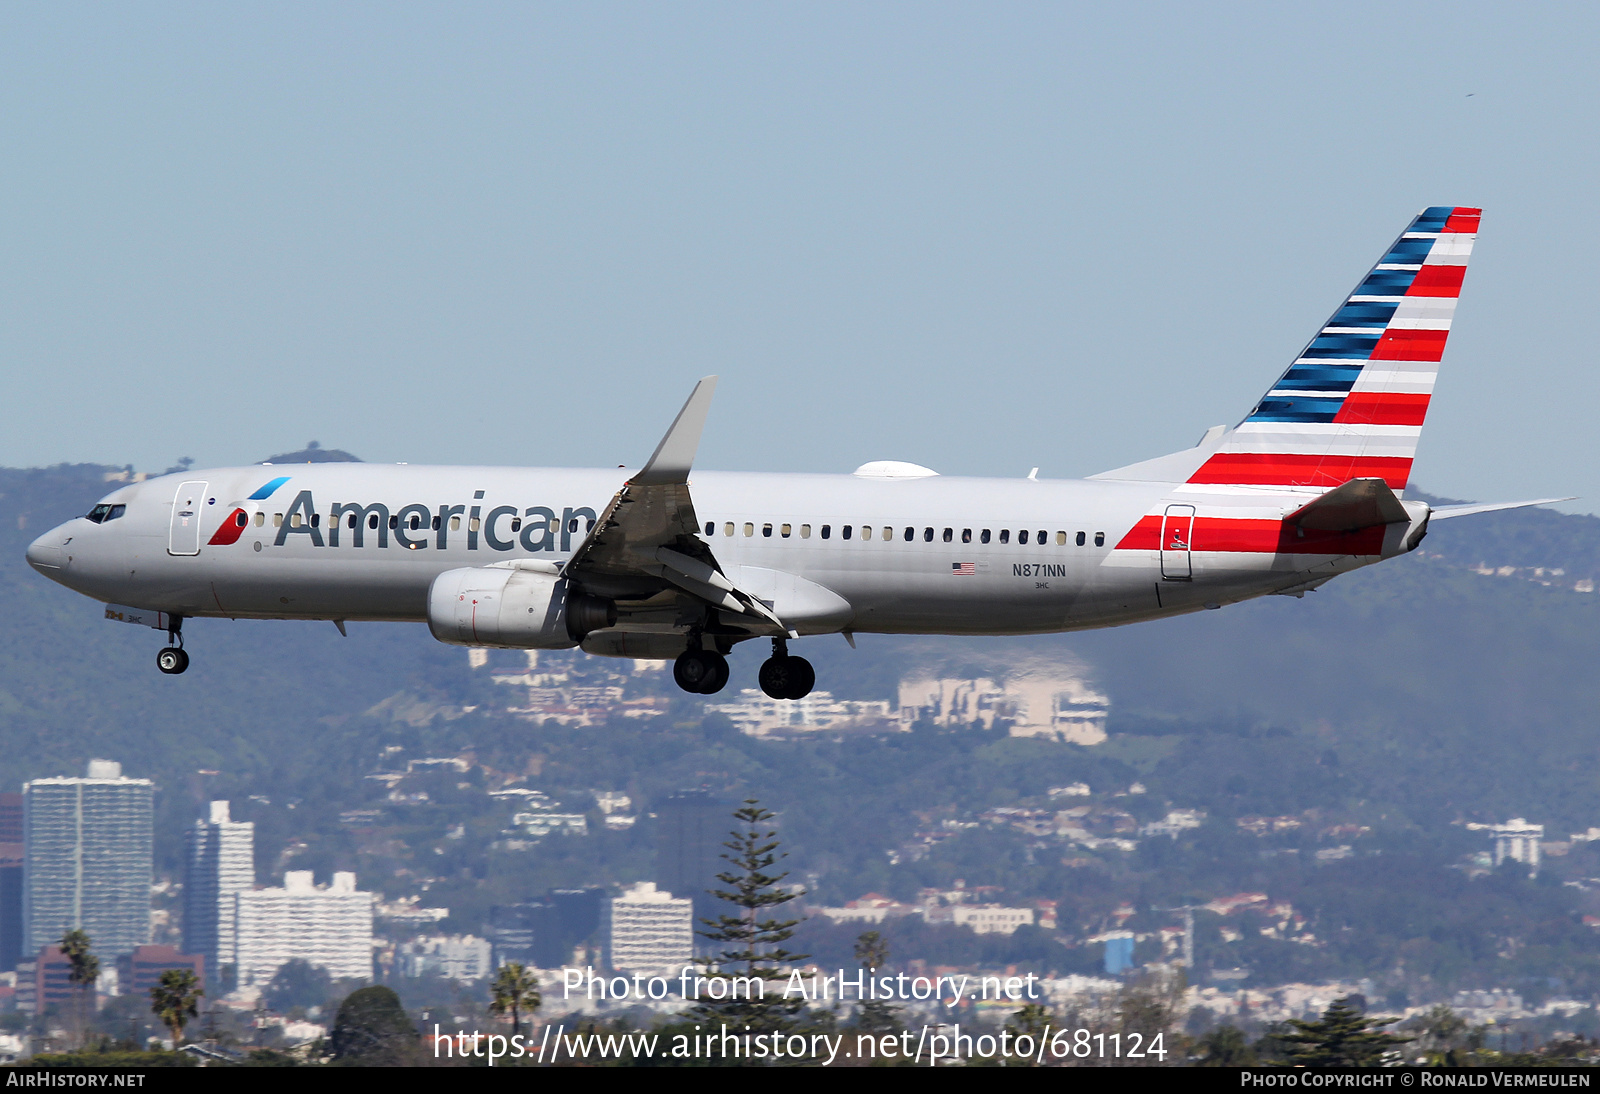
[(44, 553)]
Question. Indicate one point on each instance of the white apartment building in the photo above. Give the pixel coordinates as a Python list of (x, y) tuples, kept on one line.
[(1041, 700), (330, 927), (758, 715), (1517, 840), (454, 957), (219, 862), (990, 918), (648, 931)]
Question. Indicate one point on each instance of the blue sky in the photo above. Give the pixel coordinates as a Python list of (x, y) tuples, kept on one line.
[(981, 237)]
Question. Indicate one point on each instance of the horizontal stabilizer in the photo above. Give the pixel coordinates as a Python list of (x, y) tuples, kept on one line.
[(1359, 503), (1444, 511)]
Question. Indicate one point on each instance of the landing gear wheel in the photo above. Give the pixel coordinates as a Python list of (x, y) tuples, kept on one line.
[(802, 678), (784, 677), (172, 660), (702, 672), (719, 675)]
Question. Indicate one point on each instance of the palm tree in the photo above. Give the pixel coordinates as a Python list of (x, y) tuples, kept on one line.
[(515, 989), (175, 1000), (84, 972)]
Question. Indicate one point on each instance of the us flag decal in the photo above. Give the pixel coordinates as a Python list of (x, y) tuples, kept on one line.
[(962, 569)]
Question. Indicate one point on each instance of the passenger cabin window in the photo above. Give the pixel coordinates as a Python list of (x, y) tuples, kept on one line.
[(416, 522), (983, 537), (1099, 539), (261, 518), (766, 531), (372, 521), (749, 529), (949, 534), (394, 522), (927, 535), (516, 523), (966, 535), (711, 527), (1040, 540), (911, 534), (866, 531), (786, 530), (805, 531), (727, 529), (435, 524), (240, 518), (350, 521), (1061, 539), (1005, 535), (455, 524), (844, 533), (1022, 536), (277, 520), (296, 520), (827, 531), (1080, 539)]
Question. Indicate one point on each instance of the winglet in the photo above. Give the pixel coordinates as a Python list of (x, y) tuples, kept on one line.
[(674, 456)]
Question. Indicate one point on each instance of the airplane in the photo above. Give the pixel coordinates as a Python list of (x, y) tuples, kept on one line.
[(671, 563)]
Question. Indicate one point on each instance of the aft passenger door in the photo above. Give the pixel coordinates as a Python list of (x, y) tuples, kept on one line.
[(1177, 533), (183, 537)]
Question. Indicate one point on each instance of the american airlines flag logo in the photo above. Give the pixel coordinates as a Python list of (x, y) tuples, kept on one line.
[(963, 569)]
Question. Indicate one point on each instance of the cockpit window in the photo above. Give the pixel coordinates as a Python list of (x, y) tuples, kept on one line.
[(102, 513)]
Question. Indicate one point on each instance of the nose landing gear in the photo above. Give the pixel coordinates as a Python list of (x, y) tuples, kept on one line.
[(786, 677), (172, 660)]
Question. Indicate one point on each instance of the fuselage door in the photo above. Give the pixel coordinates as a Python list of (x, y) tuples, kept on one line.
[(1177, 533), (184, 536)]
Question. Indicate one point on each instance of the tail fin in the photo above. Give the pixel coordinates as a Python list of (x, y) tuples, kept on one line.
[(1352, 404)]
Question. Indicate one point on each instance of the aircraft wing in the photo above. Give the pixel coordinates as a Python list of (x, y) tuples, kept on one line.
[(650, 530)]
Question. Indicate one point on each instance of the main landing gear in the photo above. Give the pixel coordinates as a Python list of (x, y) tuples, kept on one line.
[(173, 660), (704, 672), (786, 677)]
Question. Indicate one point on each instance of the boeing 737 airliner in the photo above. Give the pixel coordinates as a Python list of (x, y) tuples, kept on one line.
[(666, 564)]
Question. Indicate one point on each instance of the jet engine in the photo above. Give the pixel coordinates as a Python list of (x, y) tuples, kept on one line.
[(519, 609)]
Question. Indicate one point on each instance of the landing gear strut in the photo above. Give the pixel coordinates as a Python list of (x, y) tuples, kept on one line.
[(703, 672), (173, 660), (786, 677)]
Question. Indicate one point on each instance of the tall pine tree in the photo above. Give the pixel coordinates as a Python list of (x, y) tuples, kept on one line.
[(1344, 1037), (749, 972)]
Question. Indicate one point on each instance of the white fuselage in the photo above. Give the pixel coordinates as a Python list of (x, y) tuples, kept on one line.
[(355, 541)]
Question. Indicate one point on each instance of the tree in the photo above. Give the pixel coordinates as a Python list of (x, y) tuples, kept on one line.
[(1225, 1046), (754, 995), (84, 971), (1344, 1037), (175, 1000), (372, 1030), (515, 989), (875, 1015), (297, 983)]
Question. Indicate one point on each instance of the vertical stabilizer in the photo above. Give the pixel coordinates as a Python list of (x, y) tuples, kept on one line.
[(1352, 404)]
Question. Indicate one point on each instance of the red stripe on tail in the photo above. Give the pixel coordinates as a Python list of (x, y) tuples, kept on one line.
[(1288, 469)]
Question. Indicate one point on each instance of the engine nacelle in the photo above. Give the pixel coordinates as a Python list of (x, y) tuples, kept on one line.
[(513, 609)]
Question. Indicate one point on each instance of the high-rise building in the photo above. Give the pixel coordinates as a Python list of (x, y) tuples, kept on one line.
[(648, 931), (454, 957), (87, 859), (691, 827), (328, 927), (10, 881), (220, 862)]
